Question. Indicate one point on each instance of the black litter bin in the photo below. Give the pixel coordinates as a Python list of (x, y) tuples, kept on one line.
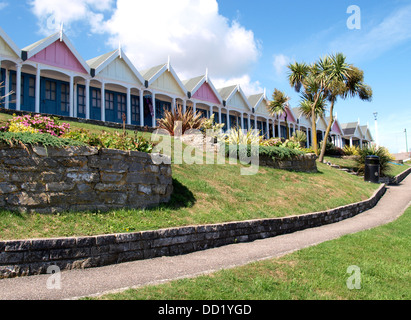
[(372, 169)]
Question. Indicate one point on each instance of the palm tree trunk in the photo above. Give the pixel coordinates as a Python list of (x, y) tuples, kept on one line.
[(314, 132), (286, 125), (327, 133), (313, 121)]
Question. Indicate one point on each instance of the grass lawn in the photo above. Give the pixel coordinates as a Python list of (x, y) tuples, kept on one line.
[(345, 163), (204, 194), (397, 169), (316, 273)]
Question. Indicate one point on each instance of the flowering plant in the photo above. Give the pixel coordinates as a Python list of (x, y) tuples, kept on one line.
[(38, 123), (17, 127)]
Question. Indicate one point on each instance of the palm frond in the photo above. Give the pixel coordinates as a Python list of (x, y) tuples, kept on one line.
[(306, 105), (297, 74), (279, 103)]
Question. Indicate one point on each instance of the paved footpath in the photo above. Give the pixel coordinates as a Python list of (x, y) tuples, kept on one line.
[(89, 282)]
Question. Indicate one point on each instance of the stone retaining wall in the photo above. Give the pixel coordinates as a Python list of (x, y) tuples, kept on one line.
[(30, 257), (398, 179), (80, 179), (303, 163)]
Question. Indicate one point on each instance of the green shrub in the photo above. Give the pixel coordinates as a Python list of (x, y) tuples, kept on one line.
[(115, 140), (308, 150), (84, 136), (291, 144), (351, 151), (241, 137), (381, 152), (276, 153), (273, 142), (332, 150), (300, 137), (279, 142), (213, 129), (44, 139), (280, 153)]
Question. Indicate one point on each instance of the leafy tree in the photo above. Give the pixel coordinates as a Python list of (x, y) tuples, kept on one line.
[(345, 81), (310, 79), (327, 79), (278, 106)]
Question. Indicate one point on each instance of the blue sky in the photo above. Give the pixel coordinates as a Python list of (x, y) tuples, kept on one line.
[(246, 42)]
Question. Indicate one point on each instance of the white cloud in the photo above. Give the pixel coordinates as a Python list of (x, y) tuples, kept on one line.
[(248, 86), (192, 32), (51, 14), (280, 63)]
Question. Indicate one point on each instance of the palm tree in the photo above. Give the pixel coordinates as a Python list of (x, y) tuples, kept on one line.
[(345, 80), (278, 106), (312, 78), (306, 108)]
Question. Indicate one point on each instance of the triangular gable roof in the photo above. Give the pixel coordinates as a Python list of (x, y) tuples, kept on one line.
[(256, 99), (96, 62), (298, 113), (352, 129), (194, 84), (15, 49), (335, 123), (35, 48), (367, 133), (324, 122), (291, 114), (303, 120), (99, 63), (152, 74), (228, 93)]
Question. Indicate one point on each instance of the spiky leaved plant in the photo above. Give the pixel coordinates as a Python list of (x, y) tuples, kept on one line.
[(177, 122), (241, 137), (300, 137)]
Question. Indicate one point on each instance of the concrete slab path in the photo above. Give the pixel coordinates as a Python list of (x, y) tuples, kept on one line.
[(114, 278)]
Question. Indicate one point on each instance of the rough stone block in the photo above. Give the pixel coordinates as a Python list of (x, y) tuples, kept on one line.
[(145, 189), (111, 177), (83, 176), (28, 199), (144, 178), (16, 245), (59, 186), (6, 187)]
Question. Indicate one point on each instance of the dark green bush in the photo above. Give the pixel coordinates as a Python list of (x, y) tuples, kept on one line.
[(44, 139), (276, 153), (381, 152), (116, 140), (332, 150)]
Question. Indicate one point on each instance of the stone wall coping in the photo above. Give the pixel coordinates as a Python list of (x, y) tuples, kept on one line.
[(398, 178)]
